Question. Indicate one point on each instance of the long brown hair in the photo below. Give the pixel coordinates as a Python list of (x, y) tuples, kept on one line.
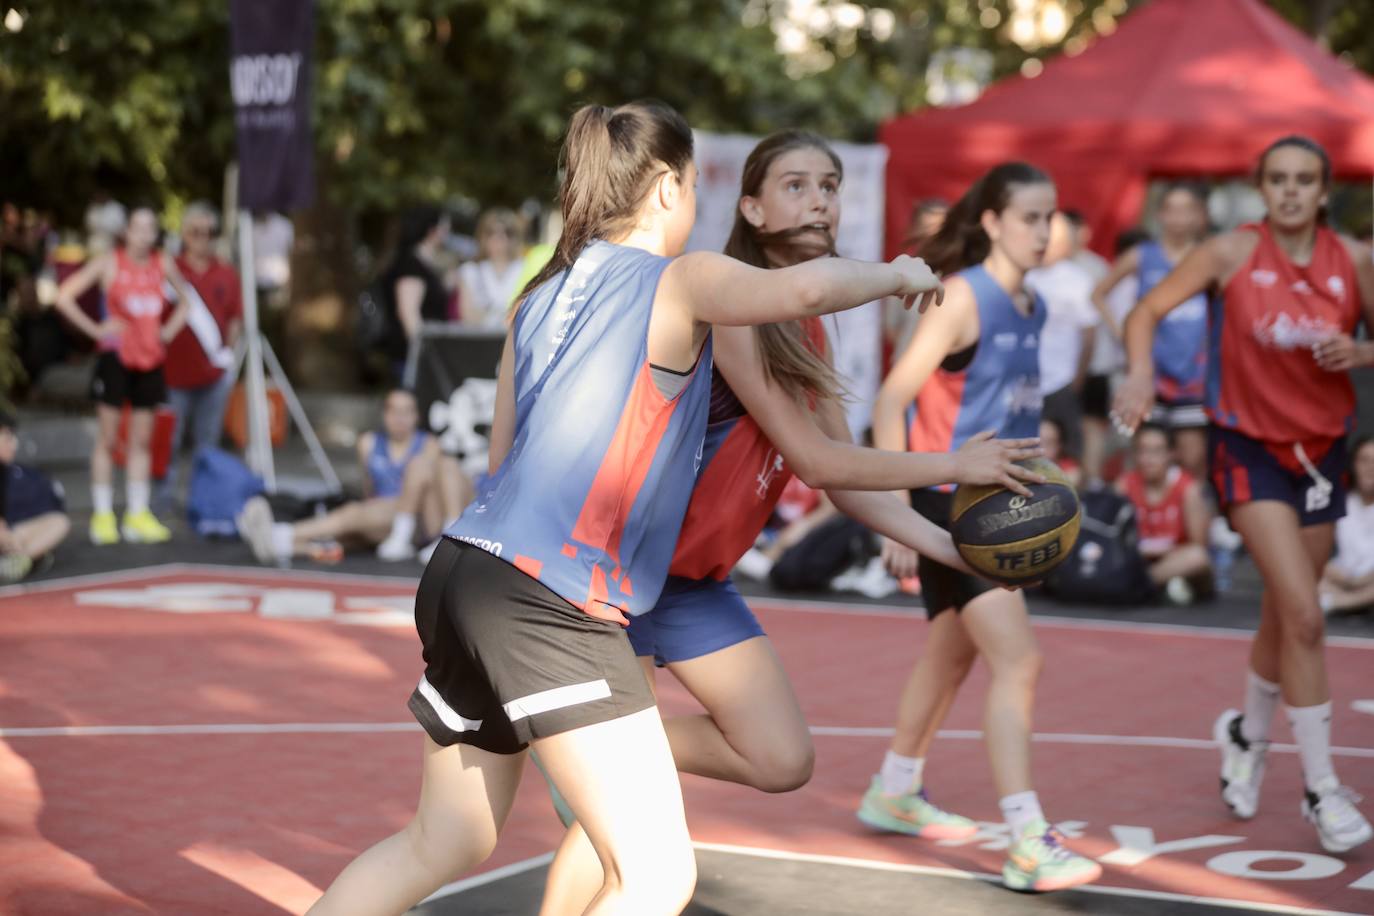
[(961, 241), (610, 159), (782, 347)]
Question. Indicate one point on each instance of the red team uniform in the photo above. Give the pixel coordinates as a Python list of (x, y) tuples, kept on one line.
[(741, 480), (1280, 420), (130, 366), (1161, 524)]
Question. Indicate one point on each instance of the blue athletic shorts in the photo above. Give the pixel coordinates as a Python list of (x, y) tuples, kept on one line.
[(693, 617), (1245, 470)]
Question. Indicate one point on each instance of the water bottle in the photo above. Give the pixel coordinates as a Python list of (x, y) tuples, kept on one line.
[(1223, 558)]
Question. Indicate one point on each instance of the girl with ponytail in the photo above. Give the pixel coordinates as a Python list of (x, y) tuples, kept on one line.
[(974, 365), (602, 403), (775, 412)]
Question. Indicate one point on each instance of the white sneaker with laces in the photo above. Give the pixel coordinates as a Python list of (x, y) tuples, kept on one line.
[(1242, 765), (394, 550), (1330, 807)]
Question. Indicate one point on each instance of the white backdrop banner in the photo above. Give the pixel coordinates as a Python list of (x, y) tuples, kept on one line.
[(856, 335)]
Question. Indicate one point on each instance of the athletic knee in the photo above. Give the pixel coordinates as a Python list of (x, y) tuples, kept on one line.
[(1024, 667), (785, 769), (652, 881), (1306, 627), (447, 849)]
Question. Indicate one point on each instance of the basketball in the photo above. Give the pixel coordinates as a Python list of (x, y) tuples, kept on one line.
[(1013, 539)]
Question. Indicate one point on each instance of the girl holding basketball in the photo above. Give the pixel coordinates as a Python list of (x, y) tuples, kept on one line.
[(1281, 343), (775, 411), (973, 364), (601, 410)]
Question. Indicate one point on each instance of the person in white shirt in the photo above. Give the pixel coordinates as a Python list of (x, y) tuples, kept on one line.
[(1348, 582), (1066, 342), (489, 285)]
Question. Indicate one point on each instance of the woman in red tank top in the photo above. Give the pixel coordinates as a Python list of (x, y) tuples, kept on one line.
[(1281, 341), (132, 345)]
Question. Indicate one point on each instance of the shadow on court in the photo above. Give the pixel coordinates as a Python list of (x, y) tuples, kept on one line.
[(734, 884)]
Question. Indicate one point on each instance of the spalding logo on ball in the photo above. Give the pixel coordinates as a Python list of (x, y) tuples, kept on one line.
[(1014, 539)]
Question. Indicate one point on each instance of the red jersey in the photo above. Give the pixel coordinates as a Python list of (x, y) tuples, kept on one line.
[(1262, 379), (135, 298), (1162, 524), (741, 479), (188, 365)]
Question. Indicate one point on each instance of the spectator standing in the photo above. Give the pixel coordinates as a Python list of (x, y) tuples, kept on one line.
[(410, 283), (34, 522), (1348, 581), (1172, 516), (1067, 339), (197, 384), (488, 286), (132, 340)]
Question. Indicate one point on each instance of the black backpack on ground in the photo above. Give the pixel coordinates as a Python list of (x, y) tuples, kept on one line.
[(1105, 565)]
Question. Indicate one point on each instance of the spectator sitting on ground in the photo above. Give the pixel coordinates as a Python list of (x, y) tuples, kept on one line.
[(1348, 581), (409, 482), (197, 385), (34, 522), (1052, 441), (1172, 515)]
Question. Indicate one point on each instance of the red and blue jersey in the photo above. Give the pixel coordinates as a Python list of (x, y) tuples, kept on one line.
[(1262, 379), (742, 477), (998, 388), (591, 496), (1180, 349)]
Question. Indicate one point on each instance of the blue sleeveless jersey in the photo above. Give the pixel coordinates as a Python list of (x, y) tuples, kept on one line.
[(386, 474), (590, 498), (998, 389), (1180, 350)]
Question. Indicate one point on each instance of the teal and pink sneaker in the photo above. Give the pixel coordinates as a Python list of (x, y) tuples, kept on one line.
[(1039, 861), (913, 814)]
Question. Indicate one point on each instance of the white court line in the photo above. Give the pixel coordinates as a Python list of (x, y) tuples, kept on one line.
[(824, 731), (487, 877), (873, 865), (175, 569)]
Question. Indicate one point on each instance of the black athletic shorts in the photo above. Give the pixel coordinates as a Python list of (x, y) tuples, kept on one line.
[(943, 588), (508, 661), (115, 385), (1097, 396)]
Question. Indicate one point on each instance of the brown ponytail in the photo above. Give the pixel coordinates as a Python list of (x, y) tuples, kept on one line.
[(961, 241), (787, 358), (610, 159)]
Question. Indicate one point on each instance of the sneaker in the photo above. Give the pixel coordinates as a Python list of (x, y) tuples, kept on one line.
[(394, 550), (1178, 591), (1242, 765), (913, 814), (255, 527), (144, 528), (104, 529), (13, 567), (1039, 861), (1330, 807)]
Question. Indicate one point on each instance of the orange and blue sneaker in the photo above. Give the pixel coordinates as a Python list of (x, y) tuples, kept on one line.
[(142, 527), (1039, 861), (913, 814)]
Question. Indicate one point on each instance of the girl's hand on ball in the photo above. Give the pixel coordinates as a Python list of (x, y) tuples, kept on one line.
[(988, 461)]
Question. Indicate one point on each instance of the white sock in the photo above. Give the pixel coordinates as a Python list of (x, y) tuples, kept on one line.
[(402, 527), (1021, 810), (136, 494), (1312, 731), (102, 497), (283, 540), (1261, 699), (901, 775)]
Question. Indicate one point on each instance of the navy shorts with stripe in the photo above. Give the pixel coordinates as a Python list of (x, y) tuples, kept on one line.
[(1245, 470), (693, 617)]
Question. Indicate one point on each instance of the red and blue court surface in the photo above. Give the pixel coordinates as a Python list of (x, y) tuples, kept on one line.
[(203, 740)]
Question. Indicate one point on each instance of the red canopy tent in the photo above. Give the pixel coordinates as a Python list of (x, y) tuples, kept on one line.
[(1182, 88)]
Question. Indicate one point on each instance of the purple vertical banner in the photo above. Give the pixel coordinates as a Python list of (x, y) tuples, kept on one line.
[(269, 73)]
